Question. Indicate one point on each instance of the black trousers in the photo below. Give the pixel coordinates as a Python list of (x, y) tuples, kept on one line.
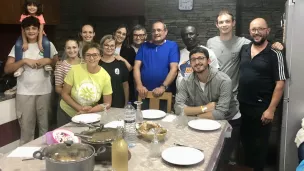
[(254, 136)]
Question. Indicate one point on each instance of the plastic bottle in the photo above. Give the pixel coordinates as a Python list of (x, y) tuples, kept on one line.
[(130, 125)]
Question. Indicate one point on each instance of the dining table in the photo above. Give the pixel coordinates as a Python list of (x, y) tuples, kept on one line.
[(210, 142)]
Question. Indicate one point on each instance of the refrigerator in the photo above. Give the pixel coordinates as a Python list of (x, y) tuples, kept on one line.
[(293, 104)]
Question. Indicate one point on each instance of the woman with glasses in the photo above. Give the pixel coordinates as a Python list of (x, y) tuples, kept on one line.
[(84, 85), (125, 53), (117, 70)]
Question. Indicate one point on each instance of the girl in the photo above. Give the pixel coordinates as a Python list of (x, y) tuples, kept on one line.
[(32, 8), (117, 70)]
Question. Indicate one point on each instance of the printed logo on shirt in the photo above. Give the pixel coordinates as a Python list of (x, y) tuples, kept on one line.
[(117, 71), (186, 69)]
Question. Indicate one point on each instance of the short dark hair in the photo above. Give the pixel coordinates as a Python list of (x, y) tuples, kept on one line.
[(35, 3), (199, 49), (223, 12), (139, 27), (30, 21), (160, 21), (88, 46)]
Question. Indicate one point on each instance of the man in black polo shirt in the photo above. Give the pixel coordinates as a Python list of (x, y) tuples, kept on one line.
[(263, 72)]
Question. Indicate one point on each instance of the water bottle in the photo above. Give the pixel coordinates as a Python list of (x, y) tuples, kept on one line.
[(130, 125)]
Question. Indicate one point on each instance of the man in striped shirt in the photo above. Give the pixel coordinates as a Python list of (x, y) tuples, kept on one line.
[(263, 72)]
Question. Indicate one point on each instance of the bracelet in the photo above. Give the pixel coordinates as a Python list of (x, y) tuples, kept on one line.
[(204, 108)]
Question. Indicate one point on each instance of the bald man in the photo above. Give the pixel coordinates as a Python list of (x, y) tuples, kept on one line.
[(263, 72)]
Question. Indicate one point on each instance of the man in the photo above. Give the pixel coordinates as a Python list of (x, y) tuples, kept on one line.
[(139, 34), (263, 73), (34, 85), (156, 64), (206, 92), (189, 36)]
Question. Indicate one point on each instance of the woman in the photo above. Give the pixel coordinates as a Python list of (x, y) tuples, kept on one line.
[(126, 54), (87, 35), (84, 85), (71, 50), (117, 70)]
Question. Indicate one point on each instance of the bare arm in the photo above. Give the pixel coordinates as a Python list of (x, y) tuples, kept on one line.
[(58, 88), (277, 95), (126, 91), (44, 61), (142, 91), (66, 96), (127, 64), (99, 108), (11, 66), (172, 74)]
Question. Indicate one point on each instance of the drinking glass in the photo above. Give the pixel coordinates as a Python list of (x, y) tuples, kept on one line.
[(155, 145), (181, 121), (105, 118), (139, 116)]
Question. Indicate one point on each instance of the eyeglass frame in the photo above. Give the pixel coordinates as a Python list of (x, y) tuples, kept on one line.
[(259, 30)]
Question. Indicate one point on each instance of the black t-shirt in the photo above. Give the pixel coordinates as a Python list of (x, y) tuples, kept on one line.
[(119, 74), (258, 75)]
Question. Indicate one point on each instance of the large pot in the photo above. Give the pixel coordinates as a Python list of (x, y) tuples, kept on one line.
[(100, 138), (69, 157)]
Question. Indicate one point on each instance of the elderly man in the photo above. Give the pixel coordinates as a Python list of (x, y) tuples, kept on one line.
[(190, 39), (156, 64), (263, 72)]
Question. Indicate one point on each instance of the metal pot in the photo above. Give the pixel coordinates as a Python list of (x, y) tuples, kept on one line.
[(100, 138), (69, 156)]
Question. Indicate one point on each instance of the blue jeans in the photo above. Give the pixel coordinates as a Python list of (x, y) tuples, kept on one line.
[(19, 52)]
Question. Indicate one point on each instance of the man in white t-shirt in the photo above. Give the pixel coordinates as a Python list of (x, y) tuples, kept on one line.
[(34, 85), (189, 36)]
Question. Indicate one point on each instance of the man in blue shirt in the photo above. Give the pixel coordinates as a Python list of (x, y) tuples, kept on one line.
[(156, 63)]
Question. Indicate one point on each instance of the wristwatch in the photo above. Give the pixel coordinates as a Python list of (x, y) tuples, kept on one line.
[(166, 87), (204, 108)]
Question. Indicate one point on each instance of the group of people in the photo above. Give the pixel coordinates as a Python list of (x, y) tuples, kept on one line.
[(231, 78)]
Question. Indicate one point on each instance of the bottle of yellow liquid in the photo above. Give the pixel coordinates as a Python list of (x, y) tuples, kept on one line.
[(120, 152)]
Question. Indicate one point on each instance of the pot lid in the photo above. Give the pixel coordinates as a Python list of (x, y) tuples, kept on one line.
[(68, 152), (106, 135)]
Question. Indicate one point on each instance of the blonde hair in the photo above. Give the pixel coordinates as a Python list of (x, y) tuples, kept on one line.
[(103, 40)]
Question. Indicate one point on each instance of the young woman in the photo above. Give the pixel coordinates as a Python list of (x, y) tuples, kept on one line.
[(117, 70), (87, 35), (84, 85), (125, 53)]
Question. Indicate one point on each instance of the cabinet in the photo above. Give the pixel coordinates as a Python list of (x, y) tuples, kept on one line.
[(11, 10)]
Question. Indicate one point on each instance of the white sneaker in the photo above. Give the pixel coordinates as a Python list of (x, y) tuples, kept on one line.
[(48, 68), (18, 72)]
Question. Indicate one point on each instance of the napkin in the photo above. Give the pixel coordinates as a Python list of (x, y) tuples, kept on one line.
[(169, 118), (24, 152)]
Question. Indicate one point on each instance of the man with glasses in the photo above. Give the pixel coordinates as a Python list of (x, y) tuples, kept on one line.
[(190, 39), (206, 92), (263, 72), (139, 34), (156, 64)]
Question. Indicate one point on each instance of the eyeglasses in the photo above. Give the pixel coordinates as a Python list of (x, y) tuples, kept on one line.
[(257, 30), (200, 59), (94, 55), (139, 35), (109, 46)]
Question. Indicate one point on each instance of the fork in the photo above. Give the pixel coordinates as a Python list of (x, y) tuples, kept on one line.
[(188, 146)]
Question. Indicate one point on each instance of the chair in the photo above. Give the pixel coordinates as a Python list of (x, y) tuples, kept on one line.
[(154, 102)]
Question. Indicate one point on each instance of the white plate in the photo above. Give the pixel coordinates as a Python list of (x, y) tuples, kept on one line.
[(153, 114), (114, 124), (204, 124), (86, 118), (183, 155)]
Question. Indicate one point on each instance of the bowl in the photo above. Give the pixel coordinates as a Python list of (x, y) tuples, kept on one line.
[(145, 130)]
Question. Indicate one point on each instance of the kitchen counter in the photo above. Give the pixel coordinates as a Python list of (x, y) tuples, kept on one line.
[(6, 97), (211, 142)]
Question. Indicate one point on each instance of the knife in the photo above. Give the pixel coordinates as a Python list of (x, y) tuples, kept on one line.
[(188, 146)]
